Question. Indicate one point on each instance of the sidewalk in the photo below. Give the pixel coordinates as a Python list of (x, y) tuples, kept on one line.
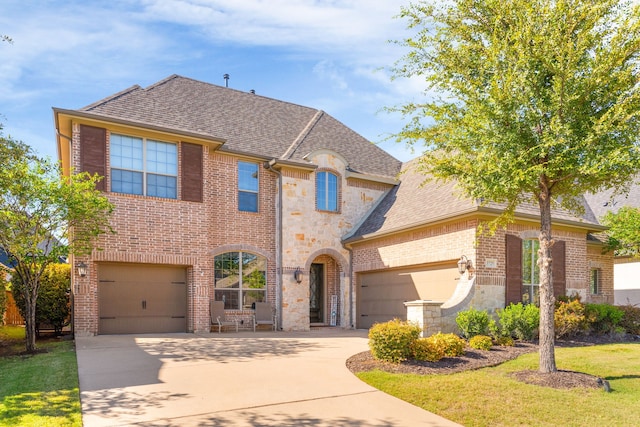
[(234, 379)]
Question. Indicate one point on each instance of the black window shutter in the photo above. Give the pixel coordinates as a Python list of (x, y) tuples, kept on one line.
[(558, 268), (93, 148), (513, 291), (191, 172)]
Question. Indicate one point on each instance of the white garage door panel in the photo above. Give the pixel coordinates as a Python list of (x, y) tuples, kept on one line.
[(381, 295), (135, 298)]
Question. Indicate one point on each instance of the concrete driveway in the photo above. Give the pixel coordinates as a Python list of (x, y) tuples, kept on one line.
[(234, 379)]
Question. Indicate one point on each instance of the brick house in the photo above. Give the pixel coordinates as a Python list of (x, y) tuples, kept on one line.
[(227, 195)]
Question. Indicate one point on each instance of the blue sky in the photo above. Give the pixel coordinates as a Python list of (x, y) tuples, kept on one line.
[(327, 54)]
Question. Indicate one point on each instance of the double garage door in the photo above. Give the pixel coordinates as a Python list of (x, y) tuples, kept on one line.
[(137, 299), (381, 295)]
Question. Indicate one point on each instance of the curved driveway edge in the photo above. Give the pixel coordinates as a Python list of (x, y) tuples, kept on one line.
[(234, 379)]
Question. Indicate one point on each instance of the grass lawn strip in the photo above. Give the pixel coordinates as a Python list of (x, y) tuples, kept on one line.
[(492, 397), (40, 389)]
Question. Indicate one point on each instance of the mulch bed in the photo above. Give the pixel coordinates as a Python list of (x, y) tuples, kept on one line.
[(476, 359)]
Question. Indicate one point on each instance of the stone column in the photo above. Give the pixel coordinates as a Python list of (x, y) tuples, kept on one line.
[(426, 314)]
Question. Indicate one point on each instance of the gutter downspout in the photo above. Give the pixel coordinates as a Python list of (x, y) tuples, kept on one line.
[(269, 166)]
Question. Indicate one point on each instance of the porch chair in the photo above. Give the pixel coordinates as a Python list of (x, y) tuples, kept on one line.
[(216, 308), (263, 315)]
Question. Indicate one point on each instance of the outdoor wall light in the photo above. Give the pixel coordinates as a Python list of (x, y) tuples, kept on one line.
[(82, 269), (464, 264), (297, 275)]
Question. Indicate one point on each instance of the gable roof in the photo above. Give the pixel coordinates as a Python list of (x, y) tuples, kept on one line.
[(250, 123), (416, 202)]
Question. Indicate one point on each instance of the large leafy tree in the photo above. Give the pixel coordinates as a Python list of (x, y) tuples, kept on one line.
[(529, 101), (623, 235), (38, 210)]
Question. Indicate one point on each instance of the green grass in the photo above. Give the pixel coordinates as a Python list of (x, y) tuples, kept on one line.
[(40, 389), (489, 397)]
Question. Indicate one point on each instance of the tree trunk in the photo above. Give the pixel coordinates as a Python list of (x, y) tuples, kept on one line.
[(547, 300), (31, 294)]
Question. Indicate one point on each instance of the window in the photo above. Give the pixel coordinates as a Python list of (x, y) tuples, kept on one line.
[(594, 281), (326, 191), (530, 272), (240, 279), (143, 166), (247, 187)]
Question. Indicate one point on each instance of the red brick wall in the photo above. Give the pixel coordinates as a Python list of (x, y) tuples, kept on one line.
[(165, 231)]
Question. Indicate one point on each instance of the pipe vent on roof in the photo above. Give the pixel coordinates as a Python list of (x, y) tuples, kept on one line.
[(226, 80)]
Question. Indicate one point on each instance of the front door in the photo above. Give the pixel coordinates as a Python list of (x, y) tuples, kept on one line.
[(316, 293)]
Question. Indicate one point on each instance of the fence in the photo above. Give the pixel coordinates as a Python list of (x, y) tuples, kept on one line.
[(11, 314)]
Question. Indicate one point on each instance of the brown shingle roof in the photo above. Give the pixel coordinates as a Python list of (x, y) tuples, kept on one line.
[(248, 122), (416, 203)]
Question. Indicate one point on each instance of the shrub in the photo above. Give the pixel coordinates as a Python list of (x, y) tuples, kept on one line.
[(631, 319), (391, 341), (53, 305), (474, 322), (603, 318), (481, 342), (505, 341), (519, 321), (569, 318), (451, 344), (426, 349)]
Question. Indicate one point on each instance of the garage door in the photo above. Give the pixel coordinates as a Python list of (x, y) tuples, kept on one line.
[(135, 299), (381, 295)]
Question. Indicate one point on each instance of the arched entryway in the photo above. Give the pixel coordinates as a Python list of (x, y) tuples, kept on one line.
[(325, 289)]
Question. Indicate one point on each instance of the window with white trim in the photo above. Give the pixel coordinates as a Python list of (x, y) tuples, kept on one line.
[(326, 191), (530, 271), (594, 281), (247, 186), (240, 279), (143, 166)]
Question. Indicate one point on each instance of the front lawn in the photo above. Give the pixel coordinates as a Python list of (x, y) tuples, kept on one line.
[(490, 397), (40, 389)]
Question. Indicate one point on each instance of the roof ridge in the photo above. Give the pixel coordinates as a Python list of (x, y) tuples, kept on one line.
[(127, 91), (111, 98), (302, 135)]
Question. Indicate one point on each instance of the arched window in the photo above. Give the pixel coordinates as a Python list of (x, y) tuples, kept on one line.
[(240, 279), (326, 191)]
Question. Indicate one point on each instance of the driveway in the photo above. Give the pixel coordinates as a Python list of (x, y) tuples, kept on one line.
[(234, 379)]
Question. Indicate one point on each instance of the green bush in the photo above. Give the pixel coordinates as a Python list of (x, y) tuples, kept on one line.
[(603, 318), (426, 349), (505, 341), (451, 344), (519, 321), (481, 342), (53, 304), (474, 322), (391, 341), (569, 318), (631, 319)]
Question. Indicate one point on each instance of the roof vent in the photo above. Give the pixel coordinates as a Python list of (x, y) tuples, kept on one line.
[(226, 80), (253, 91)]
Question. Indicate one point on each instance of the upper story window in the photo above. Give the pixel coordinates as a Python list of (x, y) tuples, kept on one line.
[(326, 191), (240, 279), (530, 271), (144, 166), (248, 187)]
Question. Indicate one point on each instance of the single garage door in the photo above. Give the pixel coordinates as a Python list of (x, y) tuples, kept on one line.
[(135, 299), (381, 295)]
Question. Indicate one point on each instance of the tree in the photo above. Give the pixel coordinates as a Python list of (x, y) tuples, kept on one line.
[(537, 101), (37, 211), (53, 305), (623, 235)]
